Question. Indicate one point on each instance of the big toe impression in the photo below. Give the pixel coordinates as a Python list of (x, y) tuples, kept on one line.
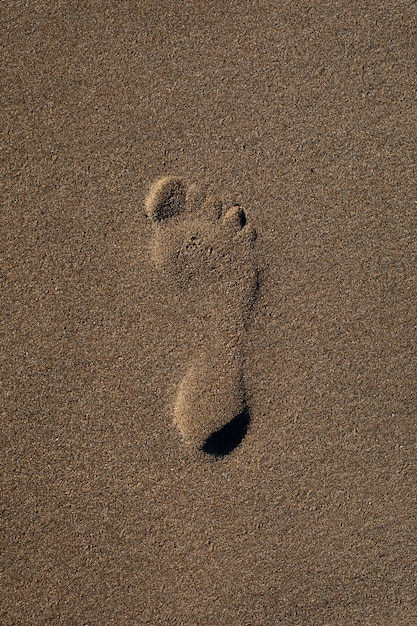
[(166, 198)]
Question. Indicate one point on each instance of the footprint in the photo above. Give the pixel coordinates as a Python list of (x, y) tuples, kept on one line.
[(208, 254)]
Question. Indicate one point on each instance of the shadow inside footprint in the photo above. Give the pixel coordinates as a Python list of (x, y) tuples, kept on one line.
[(223, 441)]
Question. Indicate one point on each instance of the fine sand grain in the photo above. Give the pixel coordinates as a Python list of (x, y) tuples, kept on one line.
[(208, 382)]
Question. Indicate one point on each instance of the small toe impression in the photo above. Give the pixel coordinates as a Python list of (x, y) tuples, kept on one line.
[(235, 218), (222, 442), (166, 198), (195, 197), (212, 209)]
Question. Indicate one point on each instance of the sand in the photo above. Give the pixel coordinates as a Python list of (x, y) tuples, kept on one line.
[(208, 383)]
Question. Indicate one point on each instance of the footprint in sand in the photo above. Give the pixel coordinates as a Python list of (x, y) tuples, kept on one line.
[(208, 255)]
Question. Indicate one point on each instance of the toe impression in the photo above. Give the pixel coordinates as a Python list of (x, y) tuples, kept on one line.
[(235, 219), (166, 198)]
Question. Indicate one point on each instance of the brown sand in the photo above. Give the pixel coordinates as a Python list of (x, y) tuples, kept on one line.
[(304, 115)]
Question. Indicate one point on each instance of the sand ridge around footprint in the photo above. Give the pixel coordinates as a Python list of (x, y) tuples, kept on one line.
[(208, 254)]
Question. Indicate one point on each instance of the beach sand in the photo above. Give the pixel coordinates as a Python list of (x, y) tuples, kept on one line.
[(209, 386)]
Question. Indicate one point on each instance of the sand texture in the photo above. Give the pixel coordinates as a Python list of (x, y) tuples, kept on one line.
[(209, 313)]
